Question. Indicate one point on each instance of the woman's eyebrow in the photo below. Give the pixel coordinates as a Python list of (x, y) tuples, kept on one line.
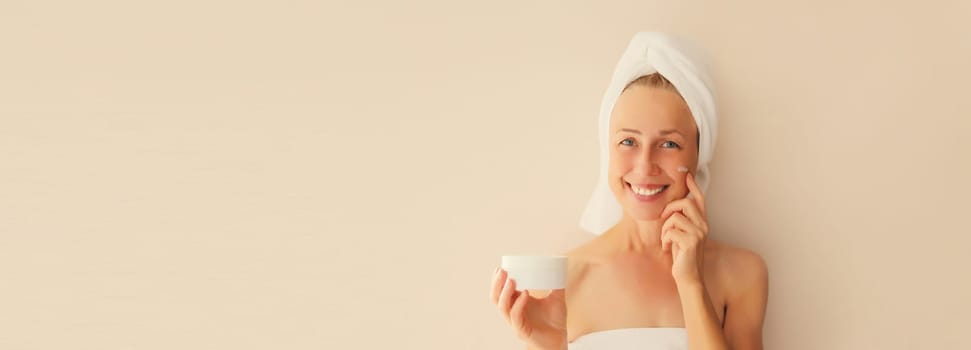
[(662, 132)]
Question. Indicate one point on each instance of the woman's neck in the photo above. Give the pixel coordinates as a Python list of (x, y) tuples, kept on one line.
[(640, 237)]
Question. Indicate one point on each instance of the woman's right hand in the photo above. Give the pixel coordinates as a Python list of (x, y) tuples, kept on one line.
[(540, 322)]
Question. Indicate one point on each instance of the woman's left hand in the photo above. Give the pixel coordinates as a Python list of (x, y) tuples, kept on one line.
[(684, 232)]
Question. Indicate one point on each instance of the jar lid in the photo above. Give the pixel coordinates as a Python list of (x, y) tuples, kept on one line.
[(534, 261)]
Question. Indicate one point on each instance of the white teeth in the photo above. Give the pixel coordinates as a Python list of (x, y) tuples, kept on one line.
[(646, 192)]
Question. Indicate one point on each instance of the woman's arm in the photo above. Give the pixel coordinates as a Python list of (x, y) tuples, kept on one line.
[(744, 315), (704, 332), (746, 305)]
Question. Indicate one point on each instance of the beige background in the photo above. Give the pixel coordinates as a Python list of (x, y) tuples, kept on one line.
[(297, 175)]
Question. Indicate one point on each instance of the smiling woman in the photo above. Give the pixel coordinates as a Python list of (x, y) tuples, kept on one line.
[(652, 278)]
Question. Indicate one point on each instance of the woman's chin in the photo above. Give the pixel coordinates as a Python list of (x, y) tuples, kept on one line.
[(640, 213)]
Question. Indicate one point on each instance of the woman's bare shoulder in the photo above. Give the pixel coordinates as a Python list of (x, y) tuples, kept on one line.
[(586, 252), (582, 256), (739, 268)]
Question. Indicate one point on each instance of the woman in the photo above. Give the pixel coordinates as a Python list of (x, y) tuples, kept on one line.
[(652, 278)]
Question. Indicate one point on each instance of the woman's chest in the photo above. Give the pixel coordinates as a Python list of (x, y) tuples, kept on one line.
[(626, 294)]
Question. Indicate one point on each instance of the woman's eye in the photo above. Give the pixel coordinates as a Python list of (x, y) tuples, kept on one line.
[(670, 144), (627, 142)]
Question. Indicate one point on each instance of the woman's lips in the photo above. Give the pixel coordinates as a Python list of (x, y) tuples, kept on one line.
[(648, 191)]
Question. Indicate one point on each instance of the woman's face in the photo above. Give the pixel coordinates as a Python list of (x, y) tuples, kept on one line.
[(652, 135)]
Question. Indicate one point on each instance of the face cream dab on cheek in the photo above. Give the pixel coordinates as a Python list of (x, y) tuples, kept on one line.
[(682, 169)]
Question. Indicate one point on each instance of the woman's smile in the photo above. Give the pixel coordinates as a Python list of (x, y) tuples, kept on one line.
[(645, 192)]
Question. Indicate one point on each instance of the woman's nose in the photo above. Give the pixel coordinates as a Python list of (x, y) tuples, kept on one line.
[(646, 162)]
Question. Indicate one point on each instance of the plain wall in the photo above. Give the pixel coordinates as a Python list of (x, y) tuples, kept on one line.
[(345, 175)]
